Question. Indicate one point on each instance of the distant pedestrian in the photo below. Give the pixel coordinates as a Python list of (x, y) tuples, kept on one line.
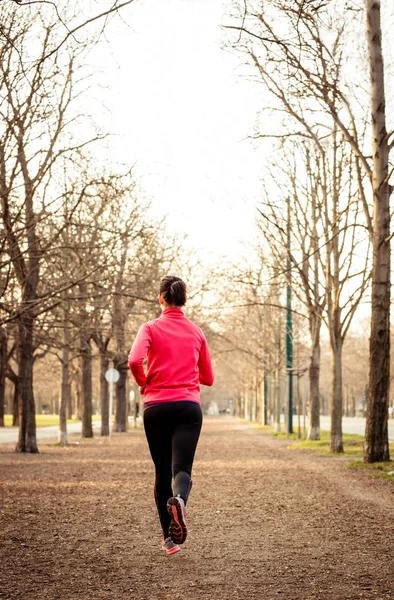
[(178, 362)]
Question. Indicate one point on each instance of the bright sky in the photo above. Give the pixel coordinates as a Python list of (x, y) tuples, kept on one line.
[(182, 111)]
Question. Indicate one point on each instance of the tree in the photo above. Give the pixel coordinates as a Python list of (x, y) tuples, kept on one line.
[(28, 119), (251, 331), (3, 366), (299, 188), (328, 229), (38, 141), (376, 434), (299, 49)]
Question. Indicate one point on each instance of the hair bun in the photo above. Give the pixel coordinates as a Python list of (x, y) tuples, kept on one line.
[(173, 290)]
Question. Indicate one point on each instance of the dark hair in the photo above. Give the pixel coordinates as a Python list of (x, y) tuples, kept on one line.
[(173, 290)]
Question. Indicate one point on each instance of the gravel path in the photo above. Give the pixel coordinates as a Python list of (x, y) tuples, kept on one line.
[(265, 522)]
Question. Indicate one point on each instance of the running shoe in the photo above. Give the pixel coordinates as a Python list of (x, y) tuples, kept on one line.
[(177, 510), (169, 546)]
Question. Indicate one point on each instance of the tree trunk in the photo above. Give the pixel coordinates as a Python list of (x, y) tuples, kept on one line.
[(27, 441), (15, 402), (78, 400), (70, 402), (264, 415), (66, 388), (121, 404), (376, 446), (136, 403), (271, 399), (120, 360), (104, 397), (277, 401), (252, 416), (314, 377), (260, 397), (3, 366), (299, 407), (238, 404), (246, 403), (337, 397), (86, 367)]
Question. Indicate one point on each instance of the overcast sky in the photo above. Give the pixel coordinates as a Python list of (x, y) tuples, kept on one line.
[(183, 108)]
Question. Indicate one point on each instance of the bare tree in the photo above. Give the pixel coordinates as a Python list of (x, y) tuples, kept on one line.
[(300, 191), (251, 331), (376, 435), (25, 109), (70, 17), (38, 138), (3, 366), (328, 229), (300, 58)]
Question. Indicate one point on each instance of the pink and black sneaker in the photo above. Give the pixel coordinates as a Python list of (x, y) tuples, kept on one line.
[(177, 510), (169, 546)]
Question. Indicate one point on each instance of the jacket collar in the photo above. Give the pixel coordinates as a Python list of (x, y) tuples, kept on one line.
[(174, 311)]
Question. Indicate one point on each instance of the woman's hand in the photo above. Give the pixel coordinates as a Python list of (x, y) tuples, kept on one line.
[(142, 389)]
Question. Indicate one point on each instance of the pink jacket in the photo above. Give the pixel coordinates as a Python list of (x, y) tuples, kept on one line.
[(178, 358)]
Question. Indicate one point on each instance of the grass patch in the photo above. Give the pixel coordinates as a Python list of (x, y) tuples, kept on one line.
[(44, 420), (285, 435), (352, 446), (384, 470), (352, 443)]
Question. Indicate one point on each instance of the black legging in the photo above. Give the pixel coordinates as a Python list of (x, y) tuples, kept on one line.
[(172, 430)]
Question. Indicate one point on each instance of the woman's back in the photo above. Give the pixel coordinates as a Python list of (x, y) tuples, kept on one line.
[(178, 358)]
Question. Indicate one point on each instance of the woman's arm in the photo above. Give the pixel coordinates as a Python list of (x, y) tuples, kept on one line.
[(138, 352), (205, 365)]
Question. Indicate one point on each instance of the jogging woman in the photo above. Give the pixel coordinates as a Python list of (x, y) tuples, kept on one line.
[(178, 362)]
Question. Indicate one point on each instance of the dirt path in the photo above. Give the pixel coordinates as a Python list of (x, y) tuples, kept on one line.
[(264, 522)]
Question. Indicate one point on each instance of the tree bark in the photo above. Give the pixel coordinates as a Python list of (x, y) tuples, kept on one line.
[(314, 377), (70, 402), (66, 388), (336, 397), (27, 441), (104, 396), (265, 398), (3, 366), (120, 360), (76, 395), (15, 402), (121, 403), (260, 398), (376, 446), (86, 367), (277, 406), (246, 403), (238, 404)]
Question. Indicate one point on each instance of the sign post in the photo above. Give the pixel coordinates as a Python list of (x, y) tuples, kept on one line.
[(112, 376)]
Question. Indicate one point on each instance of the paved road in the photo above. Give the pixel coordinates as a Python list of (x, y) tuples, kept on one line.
[(9, 436), (349, 425)]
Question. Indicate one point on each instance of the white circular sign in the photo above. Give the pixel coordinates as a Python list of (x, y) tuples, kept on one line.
[(112, 375)]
